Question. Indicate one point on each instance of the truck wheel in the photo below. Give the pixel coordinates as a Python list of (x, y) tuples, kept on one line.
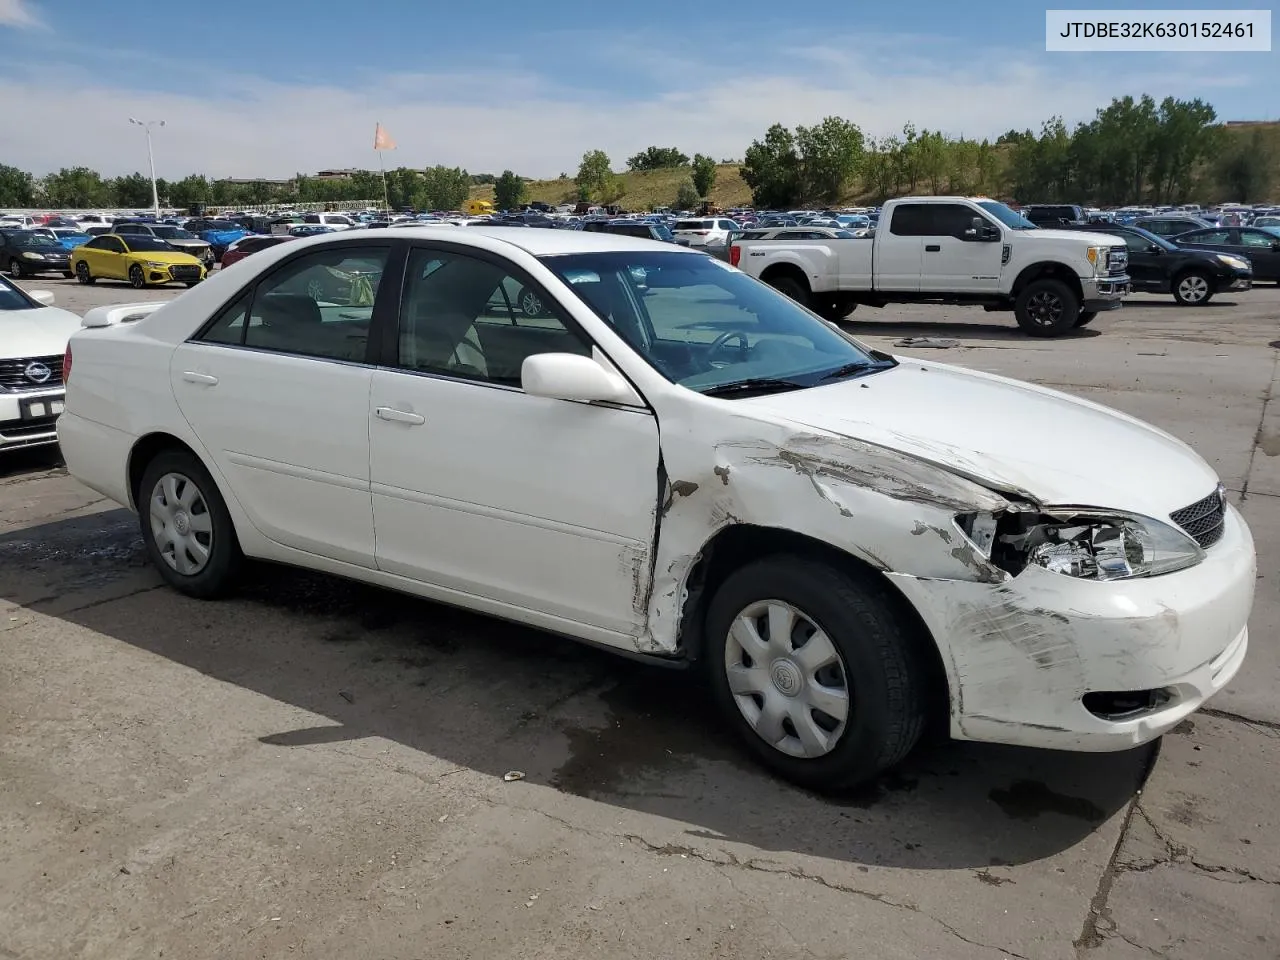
[(817, 671), (790, 287), (1086, 317), (1046, 308), (833, 309)]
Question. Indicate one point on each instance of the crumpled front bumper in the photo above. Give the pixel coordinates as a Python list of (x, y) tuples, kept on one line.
[(1021, 655)]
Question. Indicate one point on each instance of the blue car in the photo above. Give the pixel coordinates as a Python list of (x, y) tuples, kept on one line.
[(70, 239), (218, 234)]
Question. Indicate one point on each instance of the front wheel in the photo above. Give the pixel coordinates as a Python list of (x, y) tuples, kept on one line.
[(816, 670), (137, 277), (16, 270), (186, 527), (1192, 289), (83, 275), (1046, 308), (67, 275), (530, 303)]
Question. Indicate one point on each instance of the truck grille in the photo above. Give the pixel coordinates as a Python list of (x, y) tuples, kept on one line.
[(1204, 520), (26, 373), (183, 271)]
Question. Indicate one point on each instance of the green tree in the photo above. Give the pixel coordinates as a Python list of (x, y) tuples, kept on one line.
[(594, 174), (657, 158), (687, 195), (1244, 170), (771, 168), (704, 174), (17, 187), (444, 188), (77, 188), (133, 190), (508, 191), (190, 189), (830, 155)]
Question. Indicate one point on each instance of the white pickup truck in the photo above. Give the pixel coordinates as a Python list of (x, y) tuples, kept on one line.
[(950, 250)]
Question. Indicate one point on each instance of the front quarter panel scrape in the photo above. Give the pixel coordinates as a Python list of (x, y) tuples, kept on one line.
[(894, 512)]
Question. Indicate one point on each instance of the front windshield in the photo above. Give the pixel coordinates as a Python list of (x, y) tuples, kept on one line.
[(172, 233), (30, 239), (1010, 218), (221, 225), (11, 298), (706, 325), (144, 244)]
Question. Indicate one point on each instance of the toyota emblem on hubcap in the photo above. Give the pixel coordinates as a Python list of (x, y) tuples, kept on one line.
[(37, 372), (786, 678)]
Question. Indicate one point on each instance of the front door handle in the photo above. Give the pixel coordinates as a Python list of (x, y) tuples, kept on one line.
[(932, 247), (392, 415), (192, 377)]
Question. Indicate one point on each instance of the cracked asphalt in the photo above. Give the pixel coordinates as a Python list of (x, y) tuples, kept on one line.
[(316, 768)]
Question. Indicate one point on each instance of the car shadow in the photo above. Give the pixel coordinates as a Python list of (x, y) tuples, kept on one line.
[(492, 697), (960, 331), (25, 460), (1163, 304)]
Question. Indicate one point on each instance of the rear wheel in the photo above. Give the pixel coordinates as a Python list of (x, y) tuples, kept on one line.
[(1192, 289), (833, 308), (1086, 317), (186, 527), (1046, 308), (816, 670), (790, 287), (137, 277), (83, 275)]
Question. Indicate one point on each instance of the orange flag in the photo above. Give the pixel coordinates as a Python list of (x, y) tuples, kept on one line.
[(382, 140)]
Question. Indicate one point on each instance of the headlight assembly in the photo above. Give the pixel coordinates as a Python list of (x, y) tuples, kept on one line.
[(154, 265), (1087, 545), (29, 255), (1098, 257), (1235, 262)]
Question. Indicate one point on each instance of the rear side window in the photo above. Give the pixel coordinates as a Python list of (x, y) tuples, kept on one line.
[(693, 225), (912, 220)]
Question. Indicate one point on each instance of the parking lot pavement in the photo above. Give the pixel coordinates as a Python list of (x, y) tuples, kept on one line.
[(316, 768)]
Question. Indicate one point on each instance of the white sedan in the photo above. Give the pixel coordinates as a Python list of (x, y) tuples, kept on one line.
[(676, 462), (33, 339)]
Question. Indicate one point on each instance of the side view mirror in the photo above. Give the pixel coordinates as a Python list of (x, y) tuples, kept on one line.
[(1155, 248), (42, 296), (567, 376), (980, 230)]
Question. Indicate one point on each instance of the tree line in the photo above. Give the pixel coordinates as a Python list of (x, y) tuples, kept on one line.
[(1133, 150)]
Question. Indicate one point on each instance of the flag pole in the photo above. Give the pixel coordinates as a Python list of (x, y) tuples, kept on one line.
[(386, 203)]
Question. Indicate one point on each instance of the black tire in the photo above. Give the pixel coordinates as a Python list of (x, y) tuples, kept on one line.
[(219, 573), (885, 672), (1193, 288), (192, 283), (833, 308), (137, 278), (1086, 317), (16, 269), (1046, 308), (791, 287), (68, 275), (83, 274), (530, 303)]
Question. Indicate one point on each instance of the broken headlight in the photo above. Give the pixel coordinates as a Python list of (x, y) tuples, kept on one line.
[(1090, 546)]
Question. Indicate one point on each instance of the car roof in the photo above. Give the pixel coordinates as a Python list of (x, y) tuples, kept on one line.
[(546, 243)]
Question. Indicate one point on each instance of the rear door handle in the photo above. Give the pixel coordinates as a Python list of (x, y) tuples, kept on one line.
[(392, 415), (192, 377), (932, 247)]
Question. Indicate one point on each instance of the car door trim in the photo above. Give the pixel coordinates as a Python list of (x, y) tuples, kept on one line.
[(293, 470)]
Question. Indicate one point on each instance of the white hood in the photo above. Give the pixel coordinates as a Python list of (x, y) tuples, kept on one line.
[(1009, 435), (41, 332)]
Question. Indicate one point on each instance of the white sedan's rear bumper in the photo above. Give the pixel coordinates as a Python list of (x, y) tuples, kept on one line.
[(1021, 655)]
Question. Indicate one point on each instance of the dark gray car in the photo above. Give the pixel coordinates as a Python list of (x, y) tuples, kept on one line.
[(176, 237)]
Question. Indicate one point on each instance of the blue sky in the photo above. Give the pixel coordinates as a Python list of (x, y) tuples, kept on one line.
[(273, 87)]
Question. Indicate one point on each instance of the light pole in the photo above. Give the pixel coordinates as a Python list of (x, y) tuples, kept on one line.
[(155, 197)]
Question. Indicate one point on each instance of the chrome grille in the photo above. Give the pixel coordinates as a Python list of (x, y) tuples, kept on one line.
[(13, 373), (1204, 519)]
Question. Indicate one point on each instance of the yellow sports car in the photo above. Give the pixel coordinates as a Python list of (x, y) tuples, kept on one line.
[(142, 261)]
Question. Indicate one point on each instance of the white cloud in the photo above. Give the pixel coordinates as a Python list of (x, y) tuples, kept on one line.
[(509, 115), (17, 13)]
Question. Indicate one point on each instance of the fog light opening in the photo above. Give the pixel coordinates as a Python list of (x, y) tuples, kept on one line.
[(1117, 705)]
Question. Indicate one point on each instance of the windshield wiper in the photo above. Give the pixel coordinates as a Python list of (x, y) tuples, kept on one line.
[(751, 385), (860, 366)]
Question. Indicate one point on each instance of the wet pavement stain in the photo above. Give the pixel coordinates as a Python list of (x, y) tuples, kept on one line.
[(1028, 799)]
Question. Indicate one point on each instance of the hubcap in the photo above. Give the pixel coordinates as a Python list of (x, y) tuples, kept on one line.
[(1193, 289), (531, 305), (1045, 309), (180, 524), (787, 678)]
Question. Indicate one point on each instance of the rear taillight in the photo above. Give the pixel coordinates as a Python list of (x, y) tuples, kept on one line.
[(66, 364), (735, 255)]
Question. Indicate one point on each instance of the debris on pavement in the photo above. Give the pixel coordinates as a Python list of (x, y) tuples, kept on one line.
[(513, 775), (347, 695), (939, 343)]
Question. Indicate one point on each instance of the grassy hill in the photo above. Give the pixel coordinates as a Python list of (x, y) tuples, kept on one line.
[(644, 191)]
